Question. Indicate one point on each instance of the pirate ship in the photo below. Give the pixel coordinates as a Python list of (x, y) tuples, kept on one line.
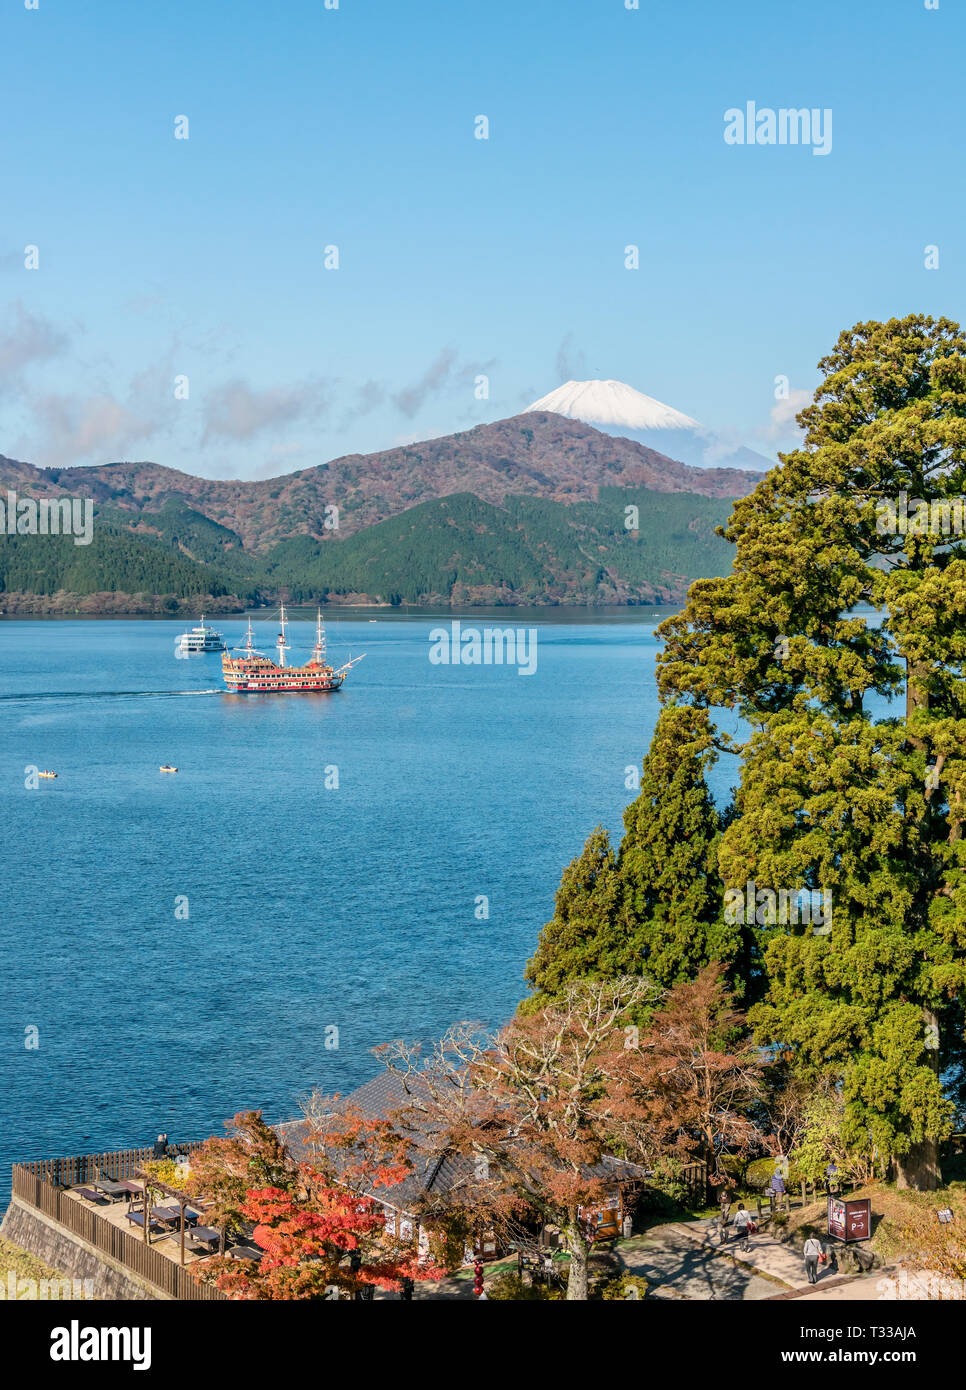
[(248, 671)]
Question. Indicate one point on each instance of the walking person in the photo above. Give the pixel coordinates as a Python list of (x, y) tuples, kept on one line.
[(813, 1252), (778, 1189), (831, 1177), (744, 1225), (724, 1208)]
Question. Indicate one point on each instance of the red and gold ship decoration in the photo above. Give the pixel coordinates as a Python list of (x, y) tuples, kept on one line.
[(249, 672)]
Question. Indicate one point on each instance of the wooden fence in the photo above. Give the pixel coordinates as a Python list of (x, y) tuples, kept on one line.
[(85, 1168), (695, 1178), (42, 1186)]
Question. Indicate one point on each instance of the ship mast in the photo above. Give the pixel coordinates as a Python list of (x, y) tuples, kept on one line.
[(318, 651), (281, 643), (249, 638)]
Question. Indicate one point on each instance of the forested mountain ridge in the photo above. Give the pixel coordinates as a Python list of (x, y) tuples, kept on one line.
[(540, 518), (458, 549), (538, 455)]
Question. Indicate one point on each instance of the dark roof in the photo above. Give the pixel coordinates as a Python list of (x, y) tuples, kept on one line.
[(390, 1090), (433, 1173), (385, 1093)]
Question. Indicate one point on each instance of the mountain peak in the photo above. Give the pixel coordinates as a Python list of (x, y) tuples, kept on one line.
[(613, 403)]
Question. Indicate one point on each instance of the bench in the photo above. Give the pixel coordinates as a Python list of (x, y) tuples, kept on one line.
[(89, 1194)]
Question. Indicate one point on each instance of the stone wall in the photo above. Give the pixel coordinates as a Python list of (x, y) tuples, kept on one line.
[(36, 1233)]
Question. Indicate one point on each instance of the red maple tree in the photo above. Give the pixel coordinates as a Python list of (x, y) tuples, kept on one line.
[(321, 1236)]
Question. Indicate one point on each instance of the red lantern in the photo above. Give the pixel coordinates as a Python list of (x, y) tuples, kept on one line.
[(478, 1277)]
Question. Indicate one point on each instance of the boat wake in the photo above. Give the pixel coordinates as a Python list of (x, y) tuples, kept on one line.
[(41, 697)]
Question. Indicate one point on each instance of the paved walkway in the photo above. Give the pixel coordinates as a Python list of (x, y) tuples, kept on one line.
[(868, 1288), (786, 1268), (762, 1252), (672, 1261), (685, 1260), (677, 1265)]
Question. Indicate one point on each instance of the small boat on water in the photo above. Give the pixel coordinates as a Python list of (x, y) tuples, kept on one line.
[(201, 639), (47, 773), (167, 767)]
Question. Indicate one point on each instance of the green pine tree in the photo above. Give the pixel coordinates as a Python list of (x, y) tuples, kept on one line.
[(842, 793), (670, 898), (654, 909), (580, 940)]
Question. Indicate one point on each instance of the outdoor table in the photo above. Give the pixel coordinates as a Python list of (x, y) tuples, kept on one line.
[(89, 1193), (171, 1215), (246, 1252), (109, 1187), (206, 1236), (133, 1189), (136, 1218)]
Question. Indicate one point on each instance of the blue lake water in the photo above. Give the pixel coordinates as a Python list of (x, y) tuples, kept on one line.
[(309, 907)]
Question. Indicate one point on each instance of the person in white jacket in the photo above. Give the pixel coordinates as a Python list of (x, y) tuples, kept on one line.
[(743, 1225), (813, 1250)]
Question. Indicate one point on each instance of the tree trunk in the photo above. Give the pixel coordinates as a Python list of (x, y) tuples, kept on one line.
[(919, 1168), (916, 696), (577, 1279)]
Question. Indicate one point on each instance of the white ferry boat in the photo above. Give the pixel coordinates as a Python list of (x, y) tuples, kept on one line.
[(201, 639)]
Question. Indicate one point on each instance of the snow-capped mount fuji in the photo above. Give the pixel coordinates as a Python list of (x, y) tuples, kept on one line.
[(616, 408), (613, 403)]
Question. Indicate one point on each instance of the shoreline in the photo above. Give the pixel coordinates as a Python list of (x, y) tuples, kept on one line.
[(543, 612)]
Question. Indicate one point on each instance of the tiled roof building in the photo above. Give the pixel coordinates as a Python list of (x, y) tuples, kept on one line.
[(434, 1173)]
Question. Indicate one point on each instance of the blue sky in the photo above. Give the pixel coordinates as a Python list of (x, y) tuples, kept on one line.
[(311, 127)]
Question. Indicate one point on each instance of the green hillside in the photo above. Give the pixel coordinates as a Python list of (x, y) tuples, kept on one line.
[(180, 526), (458, 547), (532, 548), (116, 561)]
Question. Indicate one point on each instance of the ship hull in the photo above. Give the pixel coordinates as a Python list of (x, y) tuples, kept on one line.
[(258, 687), (258, 676)]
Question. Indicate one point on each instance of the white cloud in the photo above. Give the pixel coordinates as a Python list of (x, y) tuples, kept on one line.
[(72, 428), (446, 372), (28, 338), (783, 412), (237, 411), (102, 424), (571, 364), (411, 399)]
